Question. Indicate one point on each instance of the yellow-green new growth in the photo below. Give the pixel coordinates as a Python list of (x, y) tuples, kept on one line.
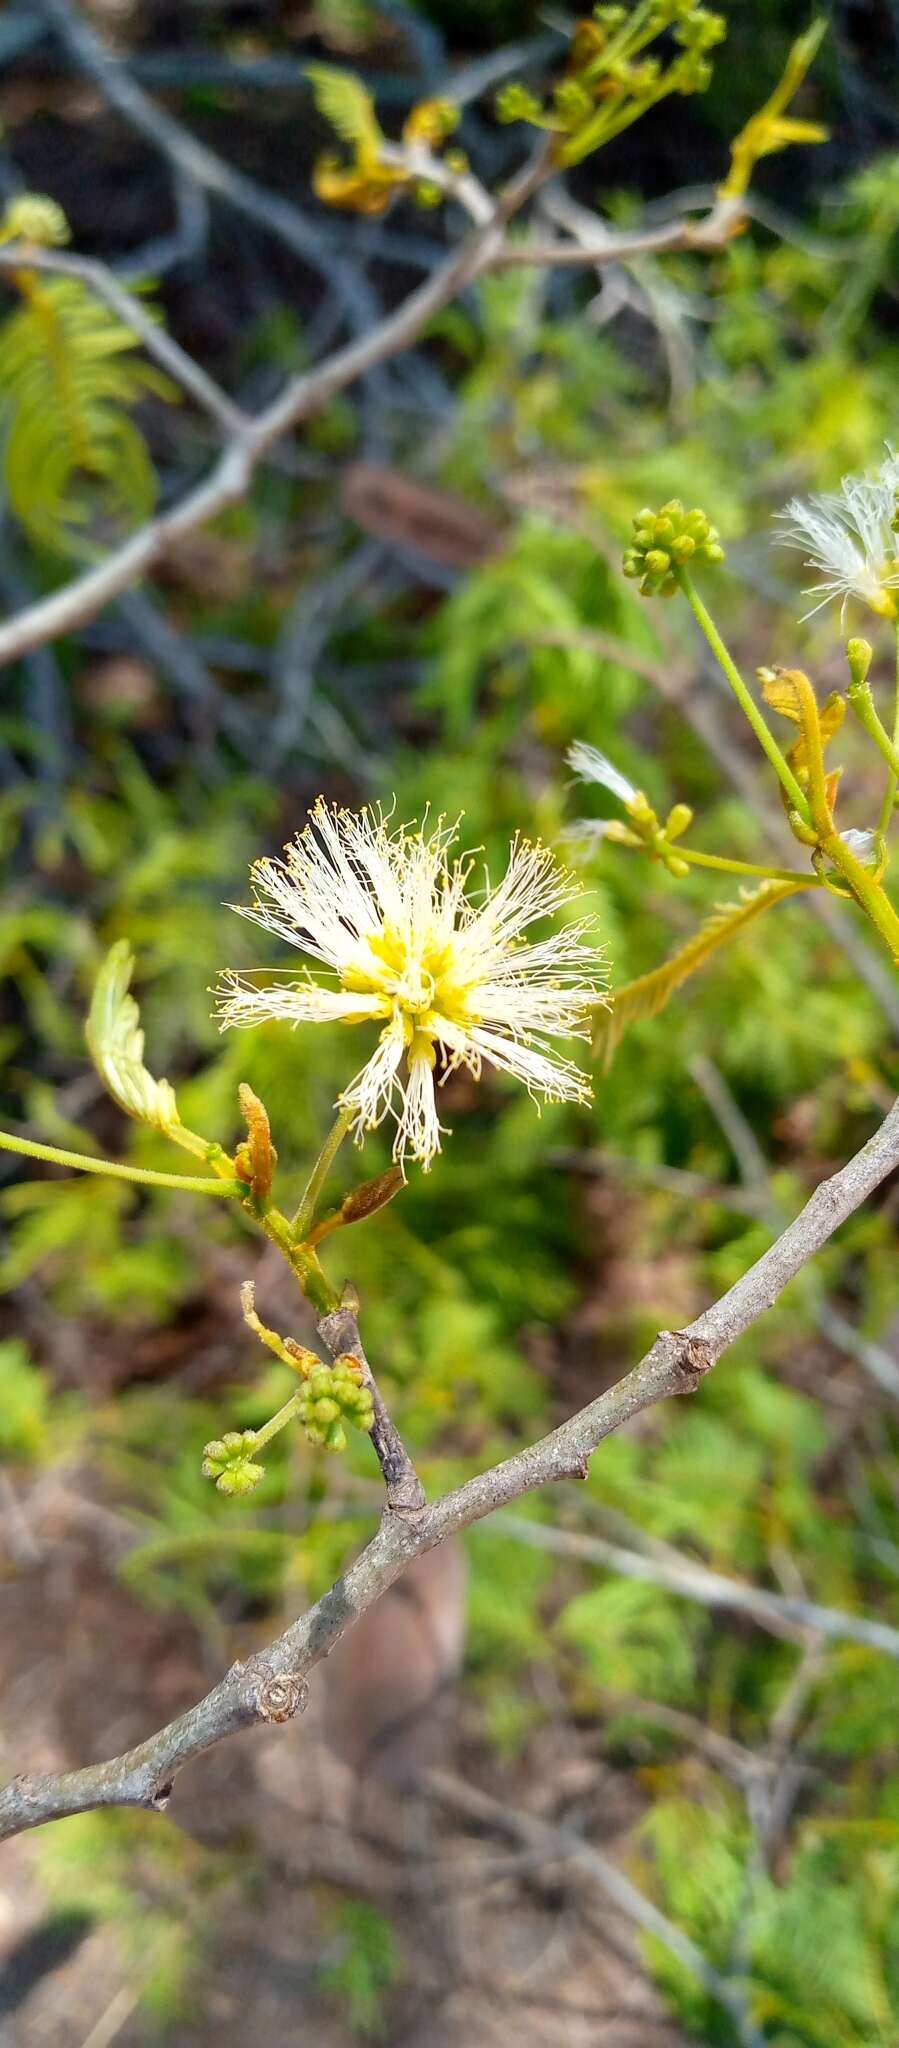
[(116, 1045), (33, 217)]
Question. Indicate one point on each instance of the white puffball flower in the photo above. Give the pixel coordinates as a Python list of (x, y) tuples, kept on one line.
[(387, 913), (850, 538)]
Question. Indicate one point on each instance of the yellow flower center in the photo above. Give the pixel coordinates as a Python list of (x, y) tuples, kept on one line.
[(414, 981)]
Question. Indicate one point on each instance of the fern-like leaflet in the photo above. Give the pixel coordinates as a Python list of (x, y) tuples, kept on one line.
[(651, 993), (342, 99), (74, 463)]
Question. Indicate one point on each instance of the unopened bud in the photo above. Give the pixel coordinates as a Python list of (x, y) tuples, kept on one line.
[(664, 542), (678, 821), (372, 1195), (859, 654), (256, 1159), (227, 1460)]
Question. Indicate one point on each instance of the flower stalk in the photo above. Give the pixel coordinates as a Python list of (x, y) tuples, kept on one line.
[(305, 1215), (744, 698), (889, 795)]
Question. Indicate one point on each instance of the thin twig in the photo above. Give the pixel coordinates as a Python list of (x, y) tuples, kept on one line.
[(378, 340), (271, 1685), (795, 1619), (155, 337), (562, 1844), (302, 396)]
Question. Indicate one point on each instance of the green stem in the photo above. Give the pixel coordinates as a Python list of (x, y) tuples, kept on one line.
[(302, 1261), (144, 1176), (278, 1422), (747, 703), (889, 795), (870, 896), (302, 1221), (737, 867), (866, 712), (624, 45)]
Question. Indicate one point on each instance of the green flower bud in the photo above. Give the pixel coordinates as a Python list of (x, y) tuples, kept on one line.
[(325, 1411), (226, 1460), (515, 103), (665, 540), (573, 102), (331, 1396), (859, 654), (678, 821)]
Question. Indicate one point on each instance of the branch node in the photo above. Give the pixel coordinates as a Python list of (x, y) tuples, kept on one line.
[(278, 1699), (692, 1358)]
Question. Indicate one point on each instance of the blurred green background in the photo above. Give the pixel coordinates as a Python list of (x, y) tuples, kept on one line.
[(330, 635)]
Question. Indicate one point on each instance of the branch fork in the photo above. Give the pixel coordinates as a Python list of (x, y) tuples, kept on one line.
[(339, 1332)]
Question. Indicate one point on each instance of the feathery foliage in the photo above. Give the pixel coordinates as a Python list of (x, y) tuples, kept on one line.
[(342, 100), (74, 463), (651, 993), (116, 1044)]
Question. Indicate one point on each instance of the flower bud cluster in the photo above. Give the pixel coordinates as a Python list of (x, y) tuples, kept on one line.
[(665, 541), (332, 1395), (227, 1460)]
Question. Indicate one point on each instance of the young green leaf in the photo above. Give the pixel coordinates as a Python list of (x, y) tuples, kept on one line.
[(651, 993), (116, 1044), (343, 100), (72, 458)]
